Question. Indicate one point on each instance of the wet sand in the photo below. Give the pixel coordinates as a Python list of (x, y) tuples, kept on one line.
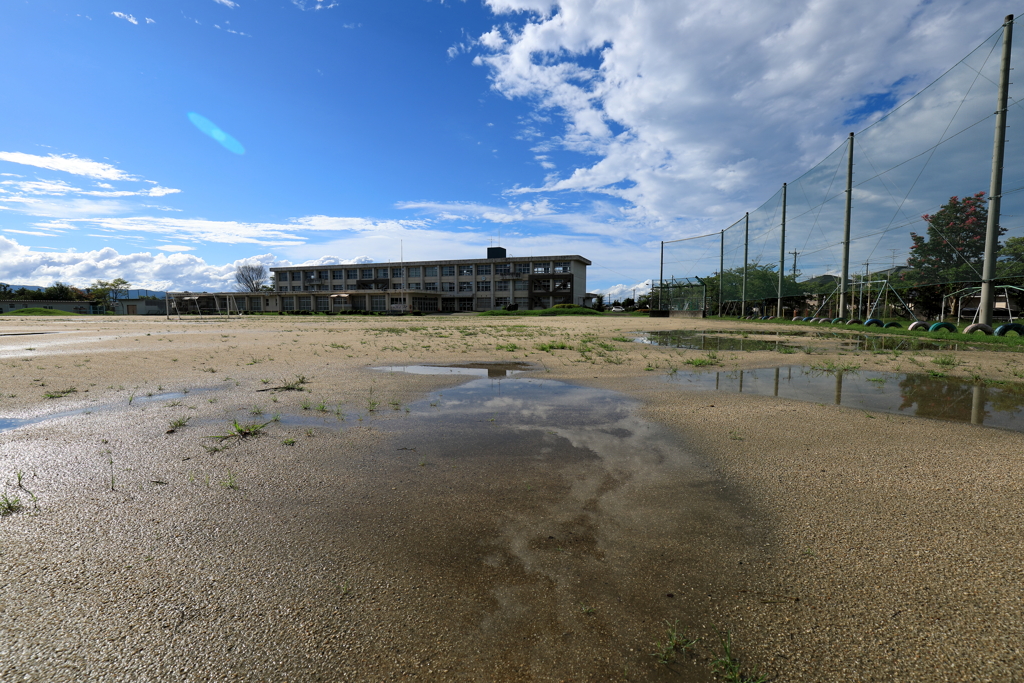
[(397, 538)]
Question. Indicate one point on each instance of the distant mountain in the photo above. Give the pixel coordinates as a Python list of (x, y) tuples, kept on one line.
[(31, 288)]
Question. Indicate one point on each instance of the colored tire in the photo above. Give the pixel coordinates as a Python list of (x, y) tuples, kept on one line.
[(1010, 327), (837, 321), (797, 318), (855, 321), (919, 325), (873, 322), (892, 325), (978, 327), (823, 321), (809, 319), (949, 327)]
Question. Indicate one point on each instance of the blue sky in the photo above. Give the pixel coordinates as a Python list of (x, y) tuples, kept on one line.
[(371, 129)]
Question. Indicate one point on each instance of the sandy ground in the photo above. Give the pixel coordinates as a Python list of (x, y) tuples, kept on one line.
[(380, 531)]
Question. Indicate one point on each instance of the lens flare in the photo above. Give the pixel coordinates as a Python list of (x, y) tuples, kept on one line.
[(213, 130)]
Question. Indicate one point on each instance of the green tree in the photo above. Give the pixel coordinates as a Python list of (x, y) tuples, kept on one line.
[(60, 291), (109, 293), (953, 247), (1011, 258)]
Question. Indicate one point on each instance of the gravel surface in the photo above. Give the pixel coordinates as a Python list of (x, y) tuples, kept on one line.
[(393, 526)]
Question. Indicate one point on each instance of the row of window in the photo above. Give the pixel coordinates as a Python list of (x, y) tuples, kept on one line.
[(425, 271), (484, 286)]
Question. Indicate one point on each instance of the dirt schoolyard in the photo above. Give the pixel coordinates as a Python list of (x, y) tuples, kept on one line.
[(268, 498)]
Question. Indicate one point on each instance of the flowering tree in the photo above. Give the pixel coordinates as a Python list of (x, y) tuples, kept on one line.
[(953, 248)]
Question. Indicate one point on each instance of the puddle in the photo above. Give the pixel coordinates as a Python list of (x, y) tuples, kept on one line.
[(9, 423), (731, 340), (939, 398), (491, 370)]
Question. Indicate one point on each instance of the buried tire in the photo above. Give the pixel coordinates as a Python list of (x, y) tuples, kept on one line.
[(892, 325), (949, 327), (978, 327), (1010, 327), (873, 322), (919, 325)]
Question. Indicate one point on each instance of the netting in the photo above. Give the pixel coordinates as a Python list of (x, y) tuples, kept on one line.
[(932, 155)]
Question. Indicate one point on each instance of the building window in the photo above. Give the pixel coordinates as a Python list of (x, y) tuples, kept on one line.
[(322, 274), (382, 273), (501, 301), (359, 303), (367, 273), (465, 270), (309, 274), (484, 286), (337, 287), (522, 285), (305, 303), (541, 268), (501, 286), (256, 304), (466, 304), (337, 274), (397, 301), (430, 271), (523, 268), (288, 303), (448, 271), (378, 303), (447, 286), (465, 286), (430, 286), (415, 285), (522, 301), (542, 285), (414, 271), (483, 269), (282, 288), (351, 273), (296, 288), (563, 267), (396, 285), (296, 276), (563, 285), (502, 268), (323, 303), (353, 286), (396, 272)]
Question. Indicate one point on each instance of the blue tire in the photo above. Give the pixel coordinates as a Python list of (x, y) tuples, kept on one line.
[(873, 322), (1010, 327), (949, 327)]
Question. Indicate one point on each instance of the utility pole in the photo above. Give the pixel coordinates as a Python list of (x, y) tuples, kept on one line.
[(846, 230), (782, 252), (795, 254), (661, 275), (995, 192), (746, 244), (863, 284)]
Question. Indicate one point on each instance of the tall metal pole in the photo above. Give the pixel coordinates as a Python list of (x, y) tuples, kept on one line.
[(661, 274), (721, 271), (782, 252), (846, 230), (995, 190), (746, 244)]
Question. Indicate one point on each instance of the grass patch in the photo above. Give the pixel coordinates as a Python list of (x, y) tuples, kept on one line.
[(39, 311), (729, 667), (550, 346), (665, 652), (178, 423), (711, 358), (832, 367), (547, 311), (238, 430)]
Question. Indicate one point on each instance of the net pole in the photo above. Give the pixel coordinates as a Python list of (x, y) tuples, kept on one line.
[(846, 229), (721, 270), (782, 252), (746, 245), (996, 186), (661, 274)]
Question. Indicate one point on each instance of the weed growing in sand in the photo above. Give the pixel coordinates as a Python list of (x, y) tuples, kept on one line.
[(665, 652), (948, 361), (178, 423), (786, 349), (711, 358), (729, 666), (831, 367), (288, 442), (60, 393), (242, 431), (551, 346), (9, 504), (306, 404), (231, 482), (256, 410), (20, 474), (511, 346)]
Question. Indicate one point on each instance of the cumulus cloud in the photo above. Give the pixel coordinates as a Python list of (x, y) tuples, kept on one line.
[(622, 292), (126, 17), (688, 111), (227, 3)]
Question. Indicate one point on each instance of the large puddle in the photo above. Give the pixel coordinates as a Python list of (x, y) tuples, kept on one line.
[(940, 398), (492, 370), (738, 341)]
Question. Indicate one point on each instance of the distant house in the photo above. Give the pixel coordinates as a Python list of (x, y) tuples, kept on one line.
[(83, 307)]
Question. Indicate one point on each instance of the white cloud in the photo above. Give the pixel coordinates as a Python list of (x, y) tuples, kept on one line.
[(315, 5), (622, 292), (175, 247), (68, 163), (126, 17), (227, 3), (683, 110), (150, 21)]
